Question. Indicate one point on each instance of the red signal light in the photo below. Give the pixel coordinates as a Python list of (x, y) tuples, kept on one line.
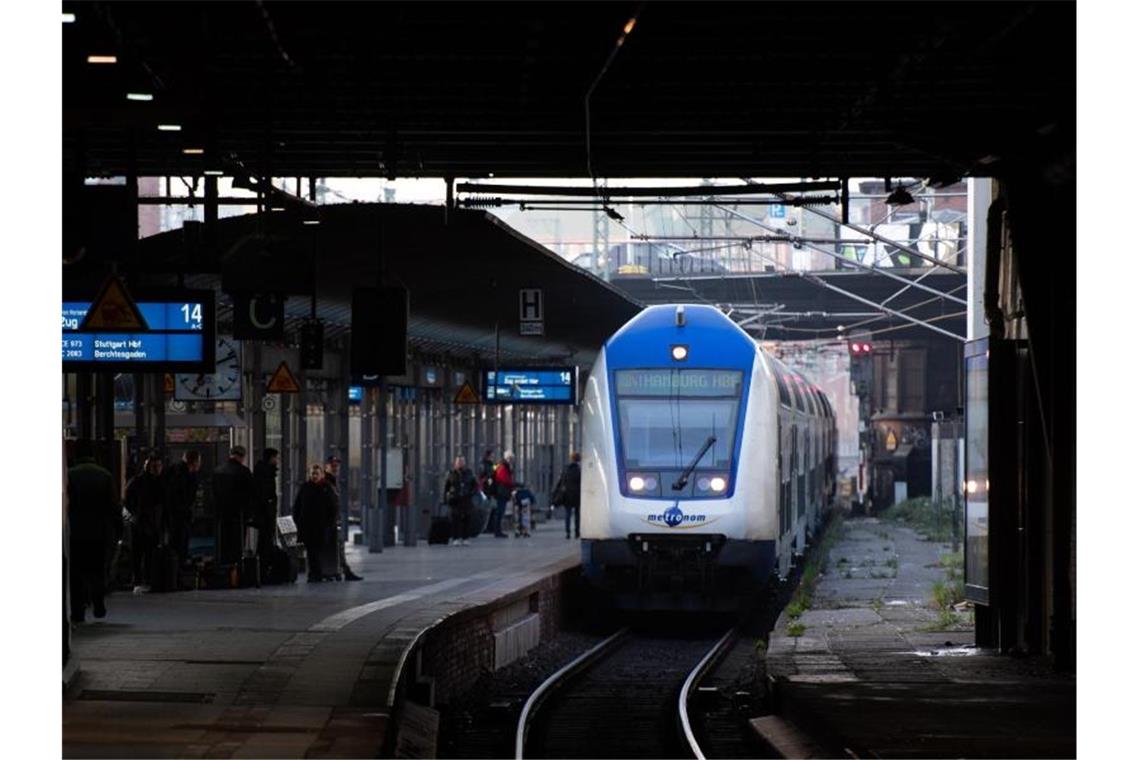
[(855, 348), (866, 348)]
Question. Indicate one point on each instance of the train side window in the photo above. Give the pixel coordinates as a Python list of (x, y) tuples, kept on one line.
[(813, 407), (782, 385)]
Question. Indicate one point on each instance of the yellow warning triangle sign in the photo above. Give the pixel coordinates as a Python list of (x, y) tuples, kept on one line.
[(113, 309), (466, 395), (283, 381)]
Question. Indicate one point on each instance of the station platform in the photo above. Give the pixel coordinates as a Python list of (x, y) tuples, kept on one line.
[(877, 672), (299, 670)]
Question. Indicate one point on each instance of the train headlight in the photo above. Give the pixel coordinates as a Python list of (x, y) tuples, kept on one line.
[(679, 353), (643, 483), (712, 484)]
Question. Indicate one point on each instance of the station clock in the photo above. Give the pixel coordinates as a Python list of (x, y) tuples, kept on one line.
[(223, 384)]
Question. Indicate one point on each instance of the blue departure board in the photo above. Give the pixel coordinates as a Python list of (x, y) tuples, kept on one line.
[(179, 336), (538, 385)]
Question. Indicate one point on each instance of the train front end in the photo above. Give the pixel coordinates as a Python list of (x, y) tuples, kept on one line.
[(679, 462)]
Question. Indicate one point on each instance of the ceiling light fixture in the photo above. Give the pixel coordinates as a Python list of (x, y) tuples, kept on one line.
[(142, 97), (102, 59), (169, 127), (213, 172), (69, 18), (193, 151)]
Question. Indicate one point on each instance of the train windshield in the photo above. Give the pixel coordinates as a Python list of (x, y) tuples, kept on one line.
[(666, 415)]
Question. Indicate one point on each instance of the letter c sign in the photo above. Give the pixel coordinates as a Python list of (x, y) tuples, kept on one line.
[(259, 316)]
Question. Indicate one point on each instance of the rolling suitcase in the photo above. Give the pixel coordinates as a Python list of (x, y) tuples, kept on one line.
[(282, 567), (440, 532)]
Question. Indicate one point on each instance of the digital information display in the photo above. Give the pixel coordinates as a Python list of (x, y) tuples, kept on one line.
[(679, 382), (546, 385), (179, 336)]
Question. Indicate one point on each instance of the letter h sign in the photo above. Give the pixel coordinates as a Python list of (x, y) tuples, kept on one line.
[(530, 305)]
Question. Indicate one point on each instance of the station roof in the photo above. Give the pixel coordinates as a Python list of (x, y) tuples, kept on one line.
[(703, 89), (463, 276)]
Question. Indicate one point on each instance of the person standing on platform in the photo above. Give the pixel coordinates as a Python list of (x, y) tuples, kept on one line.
[(182, 490), (485, 477), (458, 490), (504, 485), (234, 495), (314, 510), (332, 470), (568, 493), (265, 511), (94, 519), (146, 501)]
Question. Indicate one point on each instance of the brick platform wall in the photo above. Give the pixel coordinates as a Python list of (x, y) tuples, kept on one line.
[(460, 649)]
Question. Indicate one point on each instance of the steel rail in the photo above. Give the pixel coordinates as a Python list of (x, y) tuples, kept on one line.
[(562, 674), (691, 682)]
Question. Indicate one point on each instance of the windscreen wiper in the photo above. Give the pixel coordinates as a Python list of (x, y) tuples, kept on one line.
[(681, 481)]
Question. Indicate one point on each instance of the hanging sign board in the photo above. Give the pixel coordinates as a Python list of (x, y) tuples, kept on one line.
[(174, 331), (535, 385)]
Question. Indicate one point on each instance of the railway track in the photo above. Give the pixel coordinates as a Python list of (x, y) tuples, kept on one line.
[(629, 696)]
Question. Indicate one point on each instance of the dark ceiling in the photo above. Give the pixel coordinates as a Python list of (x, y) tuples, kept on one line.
[(466, 89)]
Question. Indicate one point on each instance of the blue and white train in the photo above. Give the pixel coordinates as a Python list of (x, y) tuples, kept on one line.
[(706, 463)]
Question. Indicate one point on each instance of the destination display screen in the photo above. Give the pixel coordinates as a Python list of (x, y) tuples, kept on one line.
[(546, 385), (179, 336), (678, 382)]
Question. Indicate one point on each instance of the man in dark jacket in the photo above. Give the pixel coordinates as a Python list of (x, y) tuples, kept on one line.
[(568, 493), (486, 475), (332, 470), (93, 517), (265, 511), (458, 489), (233, 489), (314, 512), (182, 491), (146, 501)]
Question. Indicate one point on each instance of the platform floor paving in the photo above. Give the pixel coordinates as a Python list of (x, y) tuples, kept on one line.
[(279, 671), (877, 673)]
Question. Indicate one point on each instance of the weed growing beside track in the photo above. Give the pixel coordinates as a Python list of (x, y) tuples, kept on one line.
[(816, 565)]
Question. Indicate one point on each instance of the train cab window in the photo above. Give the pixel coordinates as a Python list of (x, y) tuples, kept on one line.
[(666, 415)]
